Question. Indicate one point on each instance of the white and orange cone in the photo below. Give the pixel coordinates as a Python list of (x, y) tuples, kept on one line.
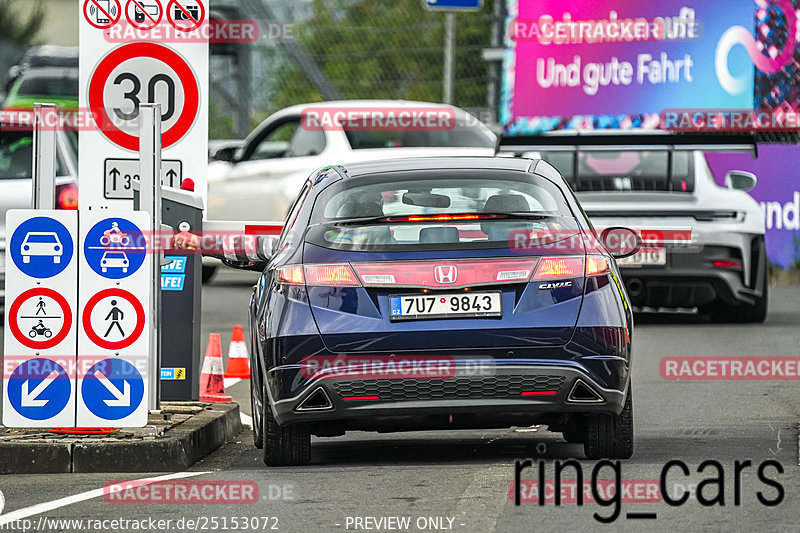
[(212, 386), (238, 360)]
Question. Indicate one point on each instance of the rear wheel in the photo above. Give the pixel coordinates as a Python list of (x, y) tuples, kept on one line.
[(572, 434), (257, 410), (288, 445), (610, 436), (743, 313)]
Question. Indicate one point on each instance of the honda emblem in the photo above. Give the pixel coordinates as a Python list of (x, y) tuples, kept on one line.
[(446, 274)]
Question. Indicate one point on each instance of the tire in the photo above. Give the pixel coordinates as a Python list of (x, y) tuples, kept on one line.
[(257, 413), (208, 273), (288, 445), (610, 436), (572, 434)]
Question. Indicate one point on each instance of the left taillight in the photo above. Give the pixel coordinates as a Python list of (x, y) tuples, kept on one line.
[(67, 196), (334, 275)]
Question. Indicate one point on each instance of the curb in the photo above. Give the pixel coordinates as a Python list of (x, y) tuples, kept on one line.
[(183, 445)]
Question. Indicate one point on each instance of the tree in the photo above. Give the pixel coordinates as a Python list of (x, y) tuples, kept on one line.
[(16, 28), (389, 49)]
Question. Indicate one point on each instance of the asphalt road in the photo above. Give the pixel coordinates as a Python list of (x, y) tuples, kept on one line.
[(460, 481)]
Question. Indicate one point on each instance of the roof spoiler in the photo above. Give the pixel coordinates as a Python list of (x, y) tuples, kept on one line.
[(626, 140)]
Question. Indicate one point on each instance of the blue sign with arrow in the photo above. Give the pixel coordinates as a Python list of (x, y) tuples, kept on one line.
[(39, 389), (455, 5), (41, 247), (112, 389), (115, 248)]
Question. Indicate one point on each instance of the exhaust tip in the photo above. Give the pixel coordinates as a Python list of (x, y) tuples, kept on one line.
[(583, 393), (316, 401), (635, 287)]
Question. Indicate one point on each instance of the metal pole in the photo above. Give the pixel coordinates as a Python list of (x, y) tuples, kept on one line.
[(150, 201), (449, 57), (44, 156)]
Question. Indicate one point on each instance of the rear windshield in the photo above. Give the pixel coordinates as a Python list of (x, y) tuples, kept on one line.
[(438, 211), (53, 86), (634, 170)]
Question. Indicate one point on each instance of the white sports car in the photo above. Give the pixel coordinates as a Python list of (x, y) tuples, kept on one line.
[(657, 184)]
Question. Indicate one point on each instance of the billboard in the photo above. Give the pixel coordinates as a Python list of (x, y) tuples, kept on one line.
[(621, 63), (777, 192)]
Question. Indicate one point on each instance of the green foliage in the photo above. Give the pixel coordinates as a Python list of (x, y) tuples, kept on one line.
[(20, 29), (392, 49), (220, 124)]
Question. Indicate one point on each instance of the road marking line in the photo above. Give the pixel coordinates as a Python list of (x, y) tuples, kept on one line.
[(484, 499), (83, 496), (230, 382), (247, 420)]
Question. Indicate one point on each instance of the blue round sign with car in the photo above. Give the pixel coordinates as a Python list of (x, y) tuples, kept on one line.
[(41, 247), (115, 248)]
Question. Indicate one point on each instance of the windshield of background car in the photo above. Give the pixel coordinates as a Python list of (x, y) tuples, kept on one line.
[(52, 86), (633, 170), (439, 210), (16, 156), (460, 136)]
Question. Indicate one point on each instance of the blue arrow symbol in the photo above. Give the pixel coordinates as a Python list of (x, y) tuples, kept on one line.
[(31, 399)]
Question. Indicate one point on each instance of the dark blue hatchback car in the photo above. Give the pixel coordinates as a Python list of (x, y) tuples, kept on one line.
[(441, 293)]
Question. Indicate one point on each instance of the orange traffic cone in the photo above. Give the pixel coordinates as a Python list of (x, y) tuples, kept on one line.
[(212, 387), (238, 360)]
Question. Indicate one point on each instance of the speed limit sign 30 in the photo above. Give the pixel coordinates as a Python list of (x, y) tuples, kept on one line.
[(144, 72), (117, 79)]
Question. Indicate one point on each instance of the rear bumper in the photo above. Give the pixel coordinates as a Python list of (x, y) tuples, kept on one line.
[(690, 279), (492, 397)]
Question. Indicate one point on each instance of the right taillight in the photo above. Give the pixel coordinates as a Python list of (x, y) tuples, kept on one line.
[(559, 268), (596, 265), (551, 268)]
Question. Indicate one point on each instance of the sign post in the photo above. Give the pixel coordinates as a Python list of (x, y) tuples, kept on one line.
[(150, 160), (44, 156), (40, 321), (451, 6), (115, 299), (166, 63)]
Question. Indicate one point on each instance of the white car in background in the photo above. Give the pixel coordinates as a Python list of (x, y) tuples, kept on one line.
[(260, 178), (16, 163), (654, 182)]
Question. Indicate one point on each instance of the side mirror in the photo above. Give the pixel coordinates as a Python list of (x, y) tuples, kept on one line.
[(226, 154), (621, 242), (740, 180)]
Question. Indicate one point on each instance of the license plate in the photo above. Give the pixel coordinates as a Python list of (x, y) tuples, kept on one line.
[(462, 305), (645, 257)]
